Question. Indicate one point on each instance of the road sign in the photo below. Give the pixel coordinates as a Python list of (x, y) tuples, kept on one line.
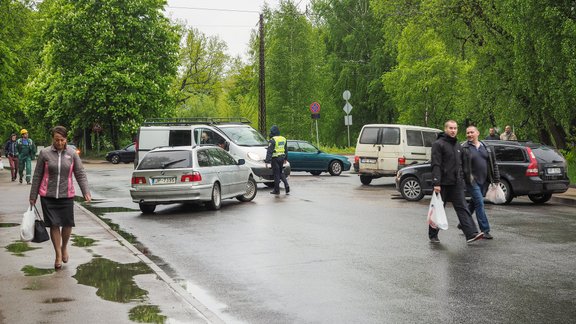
[(348, 121), (315, 108), (346, 95), (347, 108)]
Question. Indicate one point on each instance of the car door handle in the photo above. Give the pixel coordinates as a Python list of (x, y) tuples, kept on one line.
[(418, 153)]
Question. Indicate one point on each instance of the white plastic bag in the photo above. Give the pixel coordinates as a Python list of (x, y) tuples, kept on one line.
[(495, 194), (27, 225), (436, 213)]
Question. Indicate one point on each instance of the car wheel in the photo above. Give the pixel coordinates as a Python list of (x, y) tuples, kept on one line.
[(251, 191), (115, 159), (335, 168), (505, 185), (541, 198), (365, 179), (216, 201), (316, 173), (411, 189), (147, 208)]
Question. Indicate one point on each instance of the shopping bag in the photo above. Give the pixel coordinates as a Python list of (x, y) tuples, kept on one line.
[(40, 232), (495, 194), (436, 213), (27, 225)]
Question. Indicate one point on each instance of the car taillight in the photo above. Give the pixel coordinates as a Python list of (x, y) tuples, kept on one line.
[(138, 180), (194, 177), (532, 170), (356, 159), (402, 161)]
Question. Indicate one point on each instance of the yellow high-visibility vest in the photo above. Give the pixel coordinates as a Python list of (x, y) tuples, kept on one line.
[(280, 147)]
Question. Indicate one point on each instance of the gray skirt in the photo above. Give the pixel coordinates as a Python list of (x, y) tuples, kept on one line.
[(58, 212)]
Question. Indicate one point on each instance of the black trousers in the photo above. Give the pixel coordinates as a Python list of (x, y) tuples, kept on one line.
[(455, 194), (277, 166)]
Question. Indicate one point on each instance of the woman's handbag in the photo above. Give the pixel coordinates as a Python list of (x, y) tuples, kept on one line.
[(437, 213), (40, 232), (495, 194)]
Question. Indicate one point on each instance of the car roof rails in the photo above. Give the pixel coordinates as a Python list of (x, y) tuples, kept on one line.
[(184, 121)]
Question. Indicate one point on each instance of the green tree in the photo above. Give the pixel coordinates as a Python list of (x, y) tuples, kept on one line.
[(109, 62)]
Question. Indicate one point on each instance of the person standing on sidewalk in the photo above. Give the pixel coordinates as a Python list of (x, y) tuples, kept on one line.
[(26, 153), (12, 155), (53, 182), (448, 180), (277, 155), (480, 168)]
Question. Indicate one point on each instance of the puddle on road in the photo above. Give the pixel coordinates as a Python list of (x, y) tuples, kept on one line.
[(9, 225), (31, 271), (19, 248), (114, 281), (147, 314), (82, 241)]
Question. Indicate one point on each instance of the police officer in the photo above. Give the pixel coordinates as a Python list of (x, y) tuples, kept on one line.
[(26, 153), (277, 155)]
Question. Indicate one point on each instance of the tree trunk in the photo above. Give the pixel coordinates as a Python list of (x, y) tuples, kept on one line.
[(557, 132)]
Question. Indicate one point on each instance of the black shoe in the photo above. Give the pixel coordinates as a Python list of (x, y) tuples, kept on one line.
[(274, 192), (20, 180), (475, 238), (28, 182), (287, 190), (488, 236), (434, 240), (459, 226)]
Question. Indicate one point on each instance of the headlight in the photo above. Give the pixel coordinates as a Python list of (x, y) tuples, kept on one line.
[(254, 156)]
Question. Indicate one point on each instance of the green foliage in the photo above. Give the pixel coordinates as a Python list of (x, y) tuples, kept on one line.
[(108, 62)]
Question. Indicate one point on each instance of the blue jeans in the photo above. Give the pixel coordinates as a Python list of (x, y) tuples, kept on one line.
[(476, 191)]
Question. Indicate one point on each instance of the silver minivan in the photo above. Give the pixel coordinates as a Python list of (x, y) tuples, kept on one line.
[(382, 149), (200, 173)]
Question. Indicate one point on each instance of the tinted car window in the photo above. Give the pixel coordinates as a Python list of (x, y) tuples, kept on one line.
[(390, 136), (369, 135), (547, 154), (509, 154), (180, 137), (131, 148), (429, 138), (226, 158), (414, 138), (292, 146), (166, 160), (203, 158), (305, 147)]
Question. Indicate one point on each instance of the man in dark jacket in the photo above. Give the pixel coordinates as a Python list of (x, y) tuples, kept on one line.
[(277, 155), (448, 180), (12, 155), (480, 168)]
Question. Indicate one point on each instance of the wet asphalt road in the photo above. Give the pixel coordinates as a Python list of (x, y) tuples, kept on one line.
[(335, 251)]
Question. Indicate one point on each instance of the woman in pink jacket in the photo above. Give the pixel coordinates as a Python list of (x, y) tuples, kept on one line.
[(53, 181)]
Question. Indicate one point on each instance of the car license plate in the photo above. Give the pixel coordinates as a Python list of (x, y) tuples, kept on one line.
[(553, 171), (165, 180), (368, 161)]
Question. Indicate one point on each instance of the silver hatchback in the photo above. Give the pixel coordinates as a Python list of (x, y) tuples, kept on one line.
[(180, 174)]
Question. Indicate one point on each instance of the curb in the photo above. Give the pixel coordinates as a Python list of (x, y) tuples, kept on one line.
[(210, 316)]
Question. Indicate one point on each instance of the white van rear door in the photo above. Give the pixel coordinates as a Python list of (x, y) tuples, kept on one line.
[(389, 138)]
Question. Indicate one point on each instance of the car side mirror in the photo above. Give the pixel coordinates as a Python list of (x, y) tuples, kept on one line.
[(241, 162)]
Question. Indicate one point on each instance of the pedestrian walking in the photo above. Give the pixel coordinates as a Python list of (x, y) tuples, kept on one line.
[(26, 150), (277, 155), (492, 135), (448, 180), (508, 134), (53, 182), (12, 155), (480, 169)]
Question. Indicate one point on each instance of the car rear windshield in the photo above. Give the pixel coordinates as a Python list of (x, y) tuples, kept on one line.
[(166, 160), (380, 135), (547, 154)]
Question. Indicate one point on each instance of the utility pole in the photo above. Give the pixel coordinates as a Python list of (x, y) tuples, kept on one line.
[(262, 92)]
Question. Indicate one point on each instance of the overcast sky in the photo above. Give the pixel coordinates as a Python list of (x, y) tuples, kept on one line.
[(233, 27)]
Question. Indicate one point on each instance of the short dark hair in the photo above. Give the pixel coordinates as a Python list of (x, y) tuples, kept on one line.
[(59, 130)]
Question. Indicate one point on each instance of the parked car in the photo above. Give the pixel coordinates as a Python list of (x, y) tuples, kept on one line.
[(304, 156), (126, 154), (170, 175), (531, 169)]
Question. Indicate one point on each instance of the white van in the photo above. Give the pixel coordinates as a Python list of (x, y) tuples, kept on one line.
[(233, 134), (382, 149)]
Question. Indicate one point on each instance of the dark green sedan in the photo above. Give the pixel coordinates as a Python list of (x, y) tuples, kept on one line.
[(304, 156)]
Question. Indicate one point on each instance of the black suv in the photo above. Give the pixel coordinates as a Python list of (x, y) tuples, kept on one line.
[(526, 168)]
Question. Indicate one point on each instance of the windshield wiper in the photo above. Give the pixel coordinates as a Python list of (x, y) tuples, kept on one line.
[(165, 164)]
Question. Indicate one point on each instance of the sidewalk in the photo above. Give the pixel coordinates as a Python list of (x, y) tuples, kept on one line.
[(107, 280)]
